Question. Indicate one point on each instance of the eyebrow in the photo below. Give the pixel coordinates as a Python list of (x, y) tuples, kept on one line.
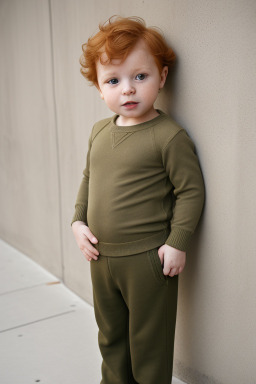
[(110, 74)]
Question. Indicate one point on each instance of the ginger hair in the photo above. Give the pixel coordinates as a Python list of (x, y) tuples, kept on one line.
[(116, 38)]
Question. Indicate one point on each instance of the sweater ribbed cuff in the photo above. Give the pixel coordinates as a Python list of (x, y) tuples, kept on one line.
[(179, 239), (80, 214)]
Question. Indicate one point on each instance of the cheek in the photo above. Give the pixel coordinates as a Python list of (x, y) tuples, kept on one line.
[(151, 94), (111, 97), (110, 101)]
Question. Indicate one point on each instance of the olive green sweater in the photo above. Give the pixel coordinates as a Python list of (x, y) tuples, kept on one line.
[(142, 186)]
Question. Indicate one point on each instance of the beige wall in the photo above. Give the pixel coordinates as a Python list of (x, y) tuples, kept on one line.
[(47, 110)]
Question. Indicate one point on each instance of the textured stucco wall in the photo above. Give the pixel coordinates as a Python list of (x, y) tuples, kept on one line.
[(47, 111)]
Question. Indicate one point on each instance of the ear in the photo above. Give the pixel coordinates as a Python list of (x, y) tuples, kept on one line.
[(163, 76)]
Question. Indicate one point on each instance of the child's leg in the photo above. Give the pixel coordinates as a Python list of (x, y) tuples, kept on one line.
[(142, 293), (112, 317), (152, 303)]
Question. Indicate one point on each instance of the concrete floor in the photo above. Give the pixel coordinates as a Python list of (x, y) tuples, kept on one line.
[(48, 335)]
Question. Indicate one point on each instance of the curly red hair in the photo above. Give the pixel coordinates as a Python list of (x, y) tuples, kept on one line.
[(117, 37)]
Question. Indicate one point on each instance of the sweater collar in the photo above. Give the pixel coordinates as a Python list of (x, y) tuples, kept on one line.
[(137, 127)]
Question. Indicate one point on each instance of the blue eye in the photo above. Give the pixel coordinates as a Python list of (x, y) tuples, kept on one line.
[(113, 81), (140, 76)]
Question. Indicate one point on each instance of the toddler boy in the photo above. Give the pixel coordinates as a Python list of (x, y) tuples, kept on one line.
[(138, 205)]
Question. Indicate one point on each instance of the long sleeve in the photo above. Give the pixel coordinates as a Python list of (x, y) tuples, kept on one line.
[(82, 196), (182, 166)]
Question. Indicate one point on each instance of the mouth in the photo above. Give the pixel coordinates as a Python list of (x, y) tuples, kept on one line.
[(130, 104)]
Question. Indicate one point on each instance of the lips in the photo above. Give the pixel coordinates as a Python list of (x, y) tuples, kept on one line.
[(129, 104)]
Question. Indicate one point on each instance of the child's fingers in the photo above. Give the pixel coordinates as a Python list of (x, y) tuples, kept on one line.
[(167, 268), (89, 235), (90, 254), (91, 249), (88, 249), (88, 258), (173, 272)]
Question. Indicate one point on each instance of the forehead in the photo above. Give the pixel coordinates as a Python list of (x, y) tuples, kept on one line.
[(138, 57)]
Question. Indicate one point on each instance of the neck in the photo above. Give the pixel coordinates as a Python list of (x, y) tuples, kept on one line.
[(126, 121)]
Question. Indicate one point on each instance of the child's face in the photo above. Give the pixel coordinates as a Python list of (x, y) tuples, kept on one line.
[(130, 88)]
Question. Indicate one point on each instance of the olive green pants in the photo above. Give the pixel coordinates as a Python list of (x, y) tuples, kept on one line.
[(135, 308)]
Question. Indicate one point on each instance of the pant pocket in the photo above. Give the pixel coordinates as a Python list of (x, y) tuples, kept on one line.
[(156, 266)]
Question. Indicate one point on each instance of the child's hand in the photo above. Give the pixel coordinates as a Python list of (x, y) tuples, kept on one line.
[(174, 260), (84, 238)]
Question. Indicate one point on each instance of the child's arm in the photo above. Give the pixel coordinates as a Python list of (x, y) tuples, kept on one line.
[(182, 166), (84, 238)]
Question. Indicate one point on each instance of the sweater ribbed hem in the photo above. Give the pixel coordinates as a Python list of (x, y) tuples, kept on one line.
[(80, 214), (133, 247), (179, 238)]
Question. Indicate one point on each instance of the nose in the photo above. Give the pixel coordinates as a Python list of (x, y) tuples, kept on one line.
[(128, 89)]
